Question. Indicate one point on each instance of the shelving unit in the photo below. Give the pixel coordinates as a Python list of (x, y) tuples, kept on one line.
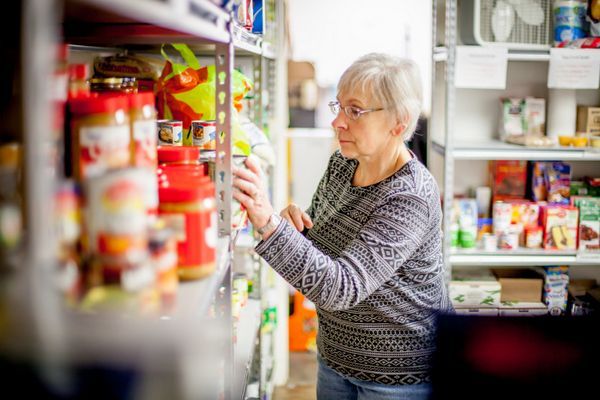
[(188, 353), (463, 130)]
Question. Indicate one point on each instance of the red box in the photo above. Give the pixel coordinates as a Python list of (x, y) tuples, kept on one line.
[(509, 179), (560, 227)]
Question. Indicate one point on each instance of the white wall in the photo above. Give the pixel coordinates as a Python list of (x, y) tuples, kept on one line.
[(333, 33)]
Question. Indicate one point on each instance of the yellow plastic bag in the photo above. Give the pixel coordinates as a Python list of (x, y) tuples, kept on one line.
[(186, 92)]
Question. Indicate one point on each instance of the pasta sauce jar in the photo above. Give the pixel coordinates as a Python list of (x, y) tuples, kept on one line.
[(187, 203), (101, 137)]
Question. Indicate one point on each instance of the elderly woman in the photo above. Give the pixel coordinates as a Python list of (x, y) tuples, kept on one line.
[(368, 250)]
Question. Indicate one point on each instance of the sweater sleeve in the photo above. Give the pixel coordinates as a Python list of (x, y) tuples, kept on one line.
[(387, 239)]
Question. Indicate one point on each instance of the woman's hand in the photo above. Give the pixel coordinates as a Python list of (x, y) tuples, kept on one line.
[(251, 194), (296, 217)]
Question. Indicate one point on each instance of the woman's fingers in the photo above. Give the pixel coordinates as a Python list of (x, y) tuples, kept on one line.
[(297, 219), (253, 165), (245, 186), (306, 219)]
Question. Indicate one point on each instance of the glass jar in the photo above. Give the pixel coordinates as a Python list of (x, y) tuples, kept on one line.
[(188, 205), (143, 129), (101, 134)]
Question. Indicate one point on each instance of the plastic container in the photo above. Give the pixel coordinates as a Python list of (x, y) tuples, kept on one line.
[(101, 134), (178, 155), (143, 129), (188, 205), (569, 20), (534, 237)]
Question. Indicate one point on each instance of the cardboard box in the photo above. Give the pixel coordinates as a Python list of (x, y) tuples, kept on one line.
[(588, 120), (480, 311), (589, 225), (523, 309), (509, 179), (519, 285), (560, 227), (474, 288), (556, 293)]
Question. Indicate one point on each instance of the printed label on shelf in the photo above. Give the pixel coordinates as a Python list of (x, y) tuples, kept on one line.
[(574, 69), (481, 67), (592, 258)]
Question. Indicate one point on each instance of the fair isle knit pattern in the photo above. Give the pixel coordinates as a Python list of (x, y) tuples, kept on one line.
[(373, 266)]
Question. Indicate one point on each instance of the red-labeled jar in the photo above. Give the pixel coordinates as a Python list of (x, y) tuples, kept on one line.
[(189, 207), (143, 129), (100, 128)]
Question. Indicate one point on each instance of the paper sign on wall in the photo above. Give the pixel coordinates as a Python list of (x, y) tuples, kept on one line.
[(481, 67), (574, 69)]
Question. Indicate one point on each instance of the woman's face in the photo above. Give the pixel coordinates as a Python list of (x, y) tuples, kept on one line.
[(367, 137)]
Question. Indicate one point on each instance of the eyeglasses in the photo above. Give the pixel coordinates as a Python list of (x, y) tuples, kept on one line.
[(352, 112)]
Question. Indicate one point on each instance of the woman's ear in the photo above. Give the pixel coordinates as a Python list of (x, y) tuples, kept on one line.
[(398, 129)]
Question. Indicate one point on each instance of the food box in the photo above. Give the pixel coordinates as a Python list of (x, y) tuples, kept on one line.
[(537, 190), (558, 182), (589, 225), (519, 284), (509, 179), (511, 123), (474, 288), (467, 223), (556, 284), (522, 309), (588, 120), (534, 116), (479, 311), (525, 213), (560, 227)]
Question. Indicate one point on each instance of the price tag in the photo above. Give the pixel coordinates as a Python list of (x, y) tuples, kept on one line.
[(481, 67), (574, 69)]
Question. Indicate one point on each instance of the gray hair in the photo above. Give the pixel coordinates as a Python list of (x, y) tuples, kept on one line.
[(393, 82)]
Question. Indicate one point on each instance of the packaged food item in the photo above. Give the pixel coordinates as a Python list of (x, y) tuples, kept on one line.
[(558, 181), (595, 142), (569, 21), (170, 132), (11, 218), (101, 134), (467, 222), (537, 184), (585, 43), (125, 66), (502, 213), (589, 225), (556, 284), (474, 288), (117, 215), (113, 85), (508, 240), (78, 84), (534, 237), (188, 205), (588, 120), (593, 17), (484, 226), (489, 242), (201, 134), (565, 140), (534, 116), (525, 213), (560, 227), (593, 185), (509, 179), (578, 188), (143, 130), (579, 140), (511, 123), (483, 195), (163, 257)]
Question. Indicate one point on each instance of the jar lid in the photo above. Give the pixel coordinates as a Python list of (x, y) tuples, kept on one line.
[(141, 99), (99, 104), (107, 81), (168, 154)]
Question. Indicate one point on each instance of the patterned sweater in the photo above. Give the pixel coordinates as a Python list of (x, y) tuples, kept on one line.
[(372, 264)]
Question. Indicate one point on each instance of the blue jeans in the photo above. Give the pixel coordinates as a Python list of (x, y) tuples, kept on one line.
[(331, 385)]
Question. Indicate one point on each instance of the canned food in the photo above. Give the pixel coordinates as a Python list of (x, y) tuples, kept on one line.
[(170, 132), (508, 241), (490, 242), (202, 134)]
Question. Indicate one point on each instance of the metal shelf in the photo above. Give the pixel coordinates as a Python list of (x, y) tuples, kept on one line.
[(247, 333), (496, 150), (114, 22), (521, 257), (440, 54)]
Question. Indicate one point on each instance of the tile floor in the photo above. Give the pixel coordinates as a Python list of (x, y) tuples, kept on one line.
[(302, 384)]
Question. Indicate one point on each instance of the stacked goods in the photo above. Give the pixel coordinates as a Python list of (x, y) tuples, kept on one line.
[(472, 290), (556, 283)]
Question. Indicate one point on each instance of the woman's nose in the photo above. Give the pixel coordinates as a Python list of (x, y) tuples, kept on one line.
[(339, 122)]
